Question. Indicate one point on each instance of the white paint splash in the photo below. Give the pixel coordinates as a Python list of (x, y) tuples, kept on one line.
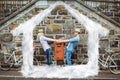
[(76, 71)]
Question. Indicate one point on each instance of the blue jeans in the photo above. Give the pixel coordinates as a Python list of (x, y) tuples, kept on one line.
[(48, 56), (68, 57)]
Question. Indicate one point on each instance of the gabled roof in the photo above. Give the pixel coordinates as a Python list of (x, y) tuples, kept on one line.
[(90, 25)]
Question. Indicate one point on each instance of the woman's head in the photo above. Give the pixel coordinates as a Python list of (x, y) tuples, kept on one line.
[(40, 32)]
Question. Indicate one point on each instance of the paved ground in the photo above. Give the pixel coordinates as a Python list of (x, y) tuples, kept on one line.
[(16, 75)]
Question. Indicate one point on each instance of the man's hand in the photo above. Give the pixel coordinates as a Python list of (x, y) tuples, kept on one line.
[(61, 41), (58, 41)]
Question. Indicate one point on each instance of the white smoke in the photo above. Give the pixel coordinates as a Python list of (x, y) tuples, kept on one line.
[(76, 71)]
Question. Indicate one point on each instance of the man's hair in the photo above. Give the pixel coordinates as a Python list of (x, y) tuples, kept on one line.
[(78, 32)]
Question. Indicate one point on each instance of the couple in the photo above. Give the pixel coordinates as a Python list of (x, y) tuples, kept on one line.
[(69, 50)]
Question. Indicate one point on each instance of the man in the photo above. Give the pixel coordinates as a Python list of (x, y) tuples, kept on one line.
[(71, 45), (45, 45)]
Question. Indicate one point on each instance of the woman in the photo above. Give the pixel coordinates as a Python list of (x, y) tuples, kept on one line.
[(44, 42)]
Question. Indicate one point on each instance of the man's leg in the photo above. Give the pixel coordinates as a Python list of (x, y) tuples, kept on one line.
[(48, 56), (68, 57)]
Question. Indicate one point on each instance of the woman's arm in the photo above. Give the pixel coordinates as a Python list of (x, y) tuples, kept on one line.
[(52, 39), (49, 39)]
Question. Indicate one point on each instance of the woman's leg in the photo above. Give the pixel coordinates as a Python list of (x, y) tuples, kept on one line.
[(48, 56)]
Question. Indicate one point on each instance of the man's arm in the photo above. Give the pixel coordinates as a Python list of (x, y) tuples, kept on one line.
[(63, 40), (69, 40), (73, 39)]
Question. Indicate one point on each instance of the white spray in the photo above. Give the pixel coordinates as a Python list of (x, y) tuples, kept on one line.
[(79, 71)]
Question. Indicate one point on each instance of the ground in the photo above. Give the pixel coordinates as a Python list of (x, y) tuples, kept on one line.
[(16, 75)]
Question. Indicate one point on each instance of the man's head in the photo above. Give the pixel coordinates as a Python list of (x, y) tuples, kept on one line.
[(40, 32), (76, 31)]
